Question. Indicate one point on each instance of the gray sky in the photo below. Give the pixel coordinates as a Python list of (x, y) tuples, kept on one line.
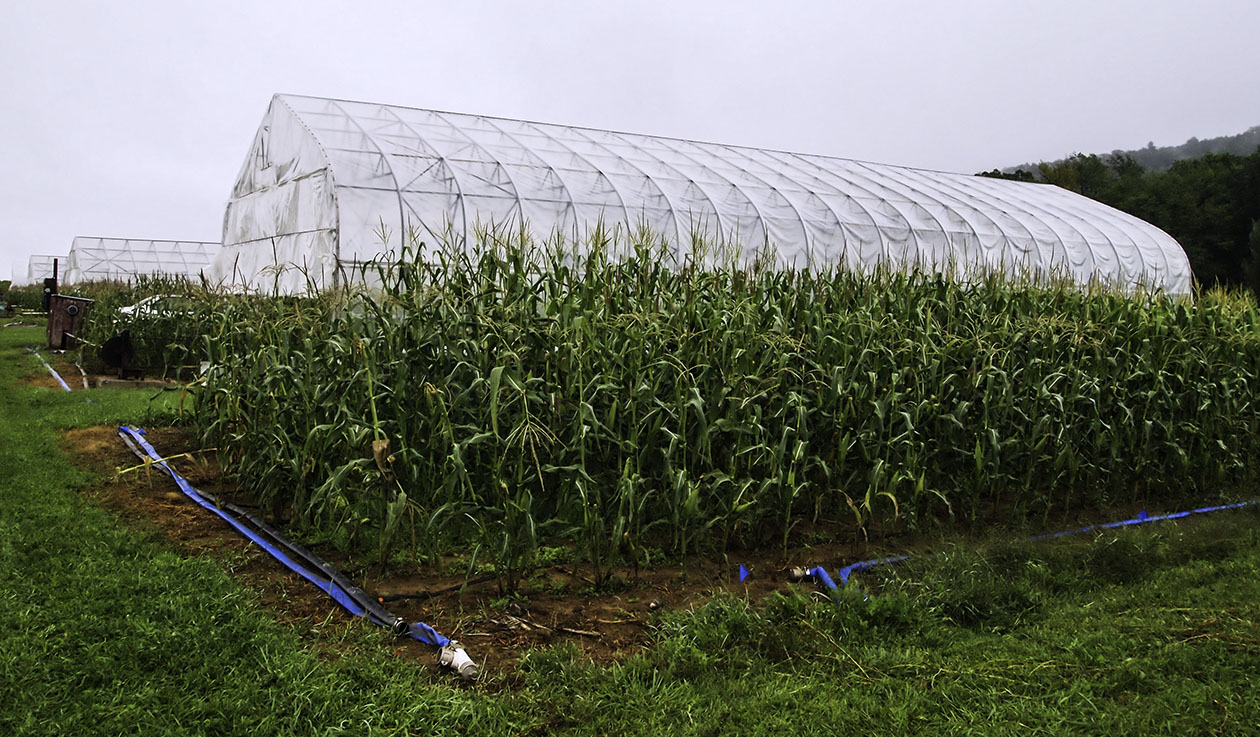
[(131, 119)]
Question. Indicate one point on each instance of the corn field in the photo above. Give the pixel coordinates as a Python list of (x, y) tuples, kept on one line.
[(512, 395), (168, 342)]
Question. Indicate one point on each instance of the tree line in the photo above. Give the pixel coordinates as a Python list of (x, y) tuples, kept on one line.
[(1160, 158), (1210, 204)]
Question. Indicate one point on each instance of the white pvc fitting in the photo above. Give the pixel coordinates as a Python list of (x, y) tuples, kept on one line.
[(452, 656)]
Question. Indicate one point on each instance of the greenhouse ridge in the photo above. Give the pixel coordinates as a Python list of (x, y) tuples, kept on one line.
[(329, 183)]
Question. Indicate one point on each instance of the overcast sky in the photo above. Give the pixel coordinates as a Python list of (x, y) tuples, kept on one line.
[(131, 119)]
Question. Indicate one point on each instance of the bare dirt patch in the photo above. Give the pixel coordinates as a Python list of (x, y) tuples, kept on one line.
[(561, 604), (42, 380), (66, 366), (62, 363), (148, 500)]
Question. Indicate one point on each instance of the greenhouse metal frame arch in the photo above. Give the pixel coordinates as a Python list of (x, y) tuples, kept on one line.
[(333, 183), (123, 259)]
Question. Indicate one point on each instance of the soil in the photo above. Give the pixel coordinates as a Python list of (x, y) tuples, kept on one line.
[(560, 604), (63, 362), (496, 630)]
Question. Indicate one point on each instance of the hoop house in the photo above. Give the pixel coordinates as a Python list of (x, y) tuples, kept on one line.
[(123, 259), (40, 267), (329, 183)]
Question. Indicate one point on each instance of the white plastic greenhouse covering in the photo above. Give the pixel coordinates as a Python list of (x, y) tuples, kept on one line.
[(123, 259), (330, 182), (39, 268)]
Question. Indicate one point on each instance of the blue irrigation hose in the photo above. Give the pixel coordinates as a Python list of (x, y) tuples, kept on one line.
[(51, 370), (326, 578), (1142, 518), (863, 565), (820, 573)]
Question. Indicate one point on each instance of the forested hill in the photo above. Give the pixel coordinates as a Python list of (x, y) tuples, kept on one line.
[(1160, 158), (1209, 203)]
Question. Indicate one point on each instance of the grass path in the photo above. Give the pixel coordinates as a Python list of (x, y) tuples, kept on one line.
[(104, 630)]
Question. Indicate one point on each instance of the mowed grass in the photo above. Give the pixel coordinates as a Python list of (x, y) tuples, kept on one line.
[(104, 630)]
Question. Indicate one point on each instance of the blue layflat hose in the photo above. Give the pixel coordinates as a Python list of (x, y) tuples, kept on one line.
[(323, 576), (820, 573), (51, 370)]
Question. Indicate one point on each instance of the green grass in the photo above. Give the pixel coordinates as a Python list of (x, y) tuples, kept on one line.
[(104, 630)]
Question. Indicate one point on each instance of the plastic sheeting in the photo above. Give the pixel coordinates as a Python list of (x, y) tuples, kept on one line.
[(329, 183), (39, 268), (123, 259)]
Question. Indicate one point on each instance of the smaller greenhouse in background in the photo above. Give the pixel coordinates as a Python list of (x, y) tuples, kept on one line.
[(39, 268), (123, 259)]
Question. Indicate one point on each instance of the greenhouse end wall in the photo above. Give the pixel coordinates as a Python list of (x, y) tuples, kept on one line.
[(38, 268)]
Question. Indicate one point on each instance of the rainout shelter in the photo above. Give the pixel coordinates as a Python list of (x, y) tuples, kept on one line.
[(40, 267), (329, 183), (123, 259)]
